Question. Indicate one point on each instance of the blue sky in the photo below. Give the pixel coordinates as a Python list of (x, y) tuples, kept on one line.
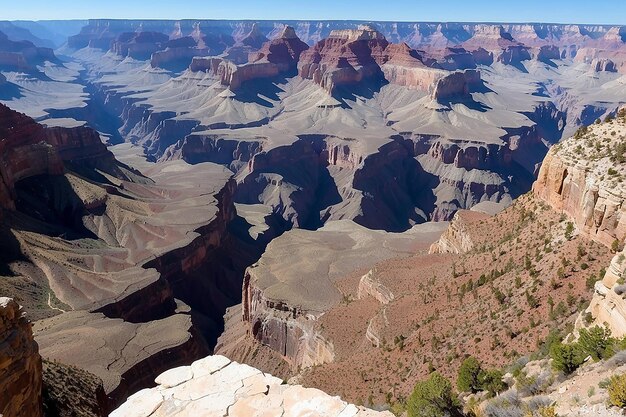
[(554, 11)]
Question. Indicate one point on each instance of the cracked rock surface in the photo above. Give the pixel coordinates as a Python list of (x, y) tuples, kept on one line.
[(215, 386)]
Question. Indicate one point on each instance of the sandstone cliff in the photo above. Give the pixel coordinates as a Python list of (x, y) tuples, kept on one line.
[(457, 238), (20, 364), (583, 177), (278, 56), (28, 149), (139, 45)]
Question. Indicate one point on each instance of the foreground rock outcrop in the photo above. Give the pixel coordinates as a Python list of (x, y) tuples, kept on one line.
[(20, 364), (584, 177), (215, 386)]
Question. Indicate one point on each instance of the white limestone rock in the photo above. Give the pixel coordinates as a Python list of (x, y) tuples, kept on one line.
[(215, 386)]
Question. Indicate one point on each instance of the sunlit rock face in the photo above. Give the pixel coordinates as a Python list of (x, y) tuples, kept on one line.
[(20, 364), (215, 386)]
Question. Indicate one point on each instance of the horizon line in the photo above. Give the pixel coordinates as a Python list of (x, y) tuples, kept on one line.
[(314, 19)]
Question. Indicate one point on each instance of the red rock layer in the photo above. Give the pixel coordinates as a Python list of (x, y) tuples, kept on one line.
[(28, 149), (20, 364)]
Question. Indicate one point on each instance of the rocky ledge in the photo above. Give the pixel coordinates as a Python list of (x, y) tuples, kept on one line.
[(20, 364), (215, 386)]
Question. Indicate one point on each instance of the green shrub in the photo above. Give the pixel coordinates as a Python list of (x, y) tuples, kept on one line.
[(617, 390), (566, 358), (491, 381), (596, 342), (468, 379), (433, 397), (615, 246)]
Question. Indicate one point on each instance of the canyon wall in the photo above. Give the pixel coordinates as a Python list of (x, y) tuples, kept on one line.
[(581, 179), (20, 364)]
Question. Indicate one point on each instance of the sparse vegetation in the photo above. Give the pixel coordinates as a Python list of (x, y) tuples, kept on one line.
[(617, 390), (433, 397)]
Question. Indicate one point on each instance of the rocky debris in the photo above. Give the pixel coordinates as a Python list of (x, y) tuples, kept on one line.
[(215, 386), (457, 238), (71, 391), (20, 364)]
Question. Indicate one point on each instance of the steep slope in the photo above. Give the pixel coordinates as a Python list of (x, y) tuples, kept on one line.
[(135, 268), (584, 177), (510, 278)]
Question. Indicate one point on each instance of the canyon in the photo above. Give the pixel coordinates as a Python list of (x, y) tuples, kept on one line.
[(322, 201)]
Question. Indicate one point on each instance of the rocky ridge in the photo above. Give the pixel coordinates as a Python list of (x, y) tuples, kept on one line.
[(20, 364), (583, 177)]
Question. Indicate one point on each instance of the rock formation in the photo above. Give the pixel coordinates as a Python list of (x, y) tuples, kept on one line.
[(608, 307), (456, 238), (28, 149), (579, 179), (499, 43), (345, 57), (280, 307), (457, 86), (278, 56), (115, 252), (20, 364), (139, 45), (215, 386), (22, 55)]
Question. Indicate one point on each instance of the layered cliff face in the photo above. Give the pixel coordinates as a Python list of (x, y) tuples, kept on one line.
[(456, 239), (416, 34), (582, 177), (110, 251), (282, 303), (458, 134), (402, 309), (27, 149), (22, 55), (139, 45), (345, 57), (20, 364), (215, 386)]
